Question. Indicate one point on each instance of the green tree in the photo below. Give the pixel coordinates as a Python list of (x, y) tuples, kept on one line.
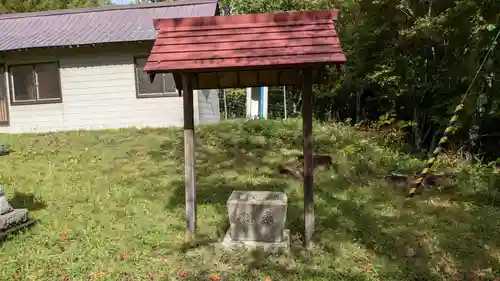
[(21, 6), (409, 60)]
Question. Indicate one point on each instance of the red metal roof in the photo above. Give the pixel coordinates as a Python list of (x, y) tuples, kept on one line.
[(245, 42)]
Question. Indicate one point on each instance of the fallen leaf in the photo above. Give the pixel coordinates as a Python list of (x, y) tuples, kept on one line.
[(214, 277), (368, 267), (184, 274), (124, 256), (162, 260), (64, 236)]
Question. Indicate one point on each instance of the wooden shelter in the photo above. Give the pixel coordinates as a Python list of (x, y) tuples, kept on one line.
[(268, 49)]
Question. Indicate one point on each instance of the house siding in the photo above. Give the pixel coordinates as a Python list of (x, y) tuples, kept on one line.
[(208, 106), (98, 91)]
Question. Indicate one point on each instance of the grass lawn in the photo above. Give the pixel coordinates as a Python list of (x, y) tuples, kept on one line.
[(111, 207)]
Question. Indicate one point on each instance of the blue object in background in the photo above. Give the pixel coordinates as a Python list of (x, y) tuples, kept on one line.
[(261, 105)]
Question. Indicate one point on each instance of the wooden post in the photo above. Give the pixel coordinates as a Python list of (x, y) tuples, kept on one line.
[(189, 154), (307, 103)]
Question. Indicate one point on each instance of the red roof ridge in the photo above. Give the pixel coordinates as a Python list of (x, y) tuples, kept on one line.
[(239, 21)]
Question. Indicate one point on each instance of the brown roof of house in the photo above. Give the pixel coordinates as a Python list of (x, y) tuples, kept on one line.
[(116, 23)]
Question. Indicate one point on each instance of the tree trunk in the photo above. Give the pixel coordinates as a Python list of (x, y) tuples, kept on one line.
[(417, 138)]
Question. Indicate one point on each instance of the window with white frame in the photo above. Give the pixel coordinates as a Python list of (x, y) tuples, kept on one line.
[(162, 86), (35, 83)]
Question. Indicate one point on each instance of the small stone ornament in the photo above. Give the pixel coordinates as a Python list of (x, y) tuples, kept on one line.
[(11, 219), (5, 207)]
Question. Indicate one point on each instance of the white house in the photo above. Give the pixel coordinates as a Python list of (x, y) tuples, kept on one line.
[(82, 69)]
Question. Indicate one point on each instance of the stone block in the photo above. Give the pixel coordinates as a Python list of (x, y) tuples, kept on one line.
[(13, 218), (257, 216), (5, 207), (273, 247)]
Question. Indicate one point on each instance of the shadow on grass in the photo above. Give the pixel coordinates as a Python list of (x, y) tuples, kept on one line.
[(26, 201), (359, 219), (280, 273), (215, 191), (196, 242), (486, 196), (489, 198), (427, 238)]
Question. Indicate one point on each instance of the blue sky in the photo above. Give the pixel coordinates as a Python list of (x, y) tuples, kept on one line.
[(121, 1)]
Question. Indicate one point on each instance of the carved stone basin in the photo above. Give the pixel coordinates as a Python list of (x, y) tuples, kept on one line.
[(257, 216)]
